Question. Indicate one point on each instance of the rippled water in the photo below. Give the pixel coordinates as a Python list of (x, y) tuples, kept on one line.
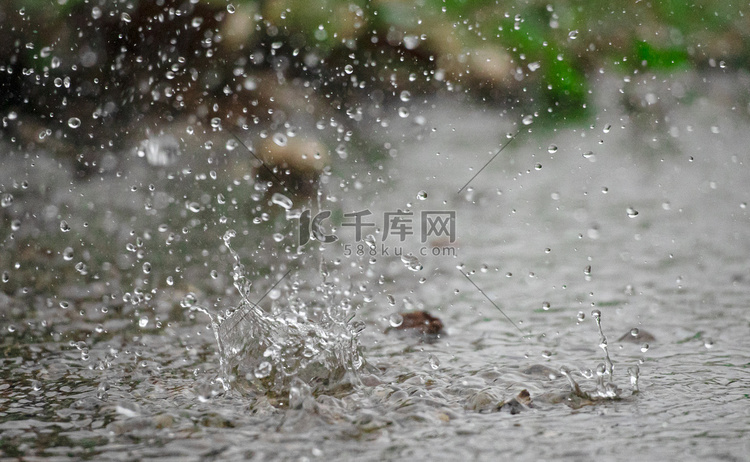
[(107, 357)]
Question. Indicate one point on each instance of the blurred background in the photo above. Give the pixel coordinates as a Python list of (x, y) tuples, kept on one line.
[(83, 78), (97, 93)]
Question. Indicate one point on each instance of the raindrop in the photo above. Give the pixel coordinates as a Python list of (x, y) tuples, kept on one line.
[(572, 35), (607, 128), (68, 253), (188, 301), (635, 332), (64, 226), (552, 148), (411, 262), (6, 200), (644, 348), (263, 370), (596, 314), (143, 322), (6, 276), (434, 362), (589, 155), (348, 68), (214, 274), (545, 306), (405, 96), (581, 316), (231, 9), (632, 213), (74, 122), (708, 343), (395, 320), (538, 166), (125, 17), (147, 267), (403, 112), (280, 139), (546, 354), (527, 120), (282, 201), (422, 195)]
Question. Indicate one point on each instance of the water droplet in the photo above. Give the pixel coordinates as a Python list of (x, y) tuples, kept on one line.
[(282, 201), (422, 195), (214, 274), (527, 120), (545, 306), (572, 35), (81, 268), (280, 139), (74, 122), (170, 280), (607, 128), (349, 69), (6, 276), (635, 332), (434, 362), (6, 200), (581, 316), (125, 17), (143, 322), (538, 166), (644, 348), (596, 314), (231, 9), (546, 354), (632, 213), (552, 149), (708, 343), (403, 112), (64, 304), (405, 96), (263, 370), (587, 270), (411, 262), (395, 320), (64, 226), (590, 156), (188, 301), (147, 267), (68, 253)]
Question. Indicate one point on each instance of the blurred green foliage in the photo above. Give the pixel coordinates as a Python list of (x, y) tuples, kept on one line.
[(537, 55)]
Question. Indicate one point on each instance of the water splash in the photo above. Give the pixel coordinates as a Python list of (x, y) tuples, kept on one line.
[(305, 334), (605, 385)]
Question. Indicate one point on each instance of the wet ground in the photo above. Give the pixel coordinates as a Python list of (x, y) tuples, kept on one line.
[(642, 217)]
